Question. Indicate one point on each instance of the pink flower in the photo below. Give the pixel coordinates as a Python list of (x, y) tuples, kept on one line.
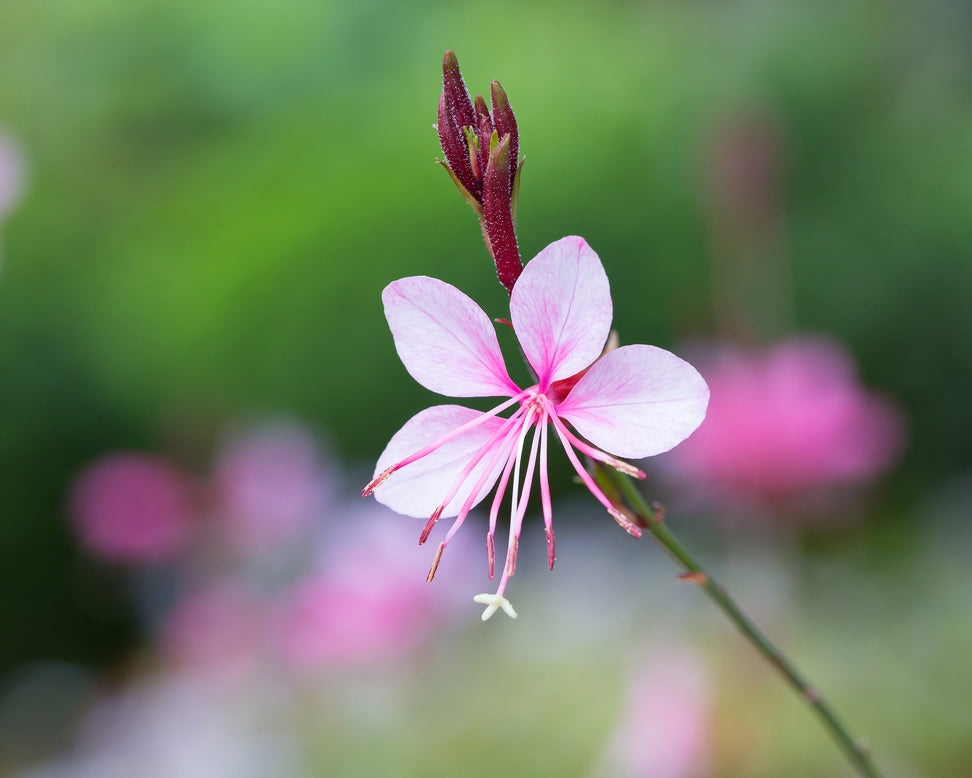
[(363, 604), (665, 728), (635, 401), (270, 485), (788, 421), (214, 631), (11, 174), (324, 622), (132, 508)]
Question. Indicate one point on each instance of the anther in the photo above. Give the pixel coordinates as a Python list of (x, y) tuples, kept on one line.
[(378, 480), (511, 565), (435, 562), (629, 526), (430, 524), (627, 468), (550, 547)]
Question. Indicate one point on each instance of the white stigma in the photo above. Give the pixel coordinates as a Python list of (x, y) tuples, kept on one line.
[(494, 602)]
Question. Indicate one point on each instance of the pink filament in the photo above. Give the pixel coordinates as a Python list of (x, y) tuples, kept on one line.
[(423, 452), (467, 505), (589, 482), (518, 508), (467, 470), (596, 453), (545, 491)]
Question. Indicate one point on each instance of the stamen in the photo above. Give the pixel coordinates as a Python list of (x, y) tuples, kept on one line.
[(497, 500), (511, 557), (435, 562), (379, 479), (433, 520), (545, 491), (519, 503), (629, 526), (477, 487), (497, 599), (593, 487), (505, 449), (471, 465), (500, 452), (595, 453)]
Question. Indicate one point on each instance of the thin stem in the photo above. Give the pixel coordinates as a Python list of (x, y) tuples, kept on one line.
[(652, 519)]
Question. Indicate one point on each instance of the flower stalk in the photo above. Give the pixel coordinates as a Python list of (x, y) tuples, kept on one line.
[(630, 501)]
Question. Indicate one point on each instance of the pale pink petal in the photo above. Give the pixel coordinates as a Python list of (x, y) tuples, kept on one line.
[(444, 339), (637, 401), (561, 309), (418, 488)]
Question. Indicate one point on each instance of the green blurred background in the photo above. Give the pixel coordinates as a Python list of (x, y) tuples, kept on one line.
[(218, 191)]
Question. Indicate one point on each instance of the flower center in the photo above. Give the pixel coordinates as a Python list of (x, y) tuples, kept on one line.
[(534, 401), (560, 389)]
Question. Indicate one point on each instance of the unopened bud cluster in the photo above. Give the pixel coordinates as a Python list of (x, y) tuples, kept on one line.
[(481, 155)]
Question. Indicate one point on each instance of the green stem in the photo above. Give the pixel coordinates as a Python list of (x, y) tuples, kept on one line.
[(651, 518)]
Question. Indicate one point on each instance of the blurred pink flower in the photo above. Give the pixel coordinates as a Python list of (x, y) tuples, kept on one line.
[(270, 484), (787, 421), (665, 724), (131, 507), (633, 401), (12, 174), (215, 631), (364, 602)]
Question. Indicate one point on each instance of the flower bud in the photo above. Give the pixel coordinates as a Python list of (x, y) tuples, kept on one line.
[(481, 156), (498, 217), (505, 124), (456, 150), (484, 132), (454, 88)]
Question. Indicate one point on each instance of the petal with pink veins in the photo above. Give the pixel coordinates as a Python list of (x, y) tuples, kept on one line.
[(637, 401), (561, 309), (419, 487), (444, 339)]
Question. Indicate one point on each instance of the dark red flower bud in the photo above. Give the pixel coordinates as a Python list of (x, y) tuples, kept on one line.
[(455, 90), (505, 124), (497, 215), (484, 131), (456, 150), (481, 153)]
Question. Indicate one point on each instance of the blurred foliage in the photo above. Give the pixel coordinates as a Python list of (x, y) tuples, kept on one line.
[(219, 191)]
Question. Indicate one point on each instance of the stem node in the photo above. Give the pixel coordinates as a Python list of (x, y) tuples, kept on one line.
[(696, 577)]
